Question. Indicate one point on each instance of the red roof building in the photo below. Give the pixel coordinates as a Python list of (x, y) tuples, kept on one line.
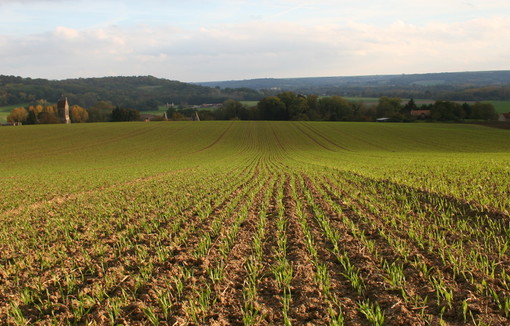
[(421, 114)]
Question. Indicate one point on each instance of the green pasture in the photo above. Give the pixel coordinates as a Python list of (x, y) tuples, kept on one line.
[(374, 100), (3, 117), (366, 100), (5, 110), (501, 106), (154, 112), (250, 103)]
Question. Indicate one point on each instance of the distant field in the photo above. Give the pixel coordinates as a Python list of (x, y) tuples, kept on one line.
[(254, 223), (161, 109), (250, 103), (501, 106), (155, 112), (375, 100), (366, 100), (5, 110)]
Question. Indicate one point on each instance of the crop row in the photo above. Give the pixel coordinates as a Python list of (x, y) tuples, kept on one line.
[(254, 227)]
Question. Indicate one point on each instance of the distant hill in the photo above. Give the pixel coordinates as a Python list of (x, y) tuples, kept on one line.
[(142, 92), (482, 85), (481, 78), (148, 92)]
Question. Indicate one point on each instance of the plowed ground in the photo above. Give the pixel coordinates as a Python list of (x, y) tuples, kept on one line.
[(200, 241)]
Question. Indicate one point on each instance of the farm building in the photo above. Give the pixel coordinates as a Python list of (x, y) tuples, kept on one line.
[(504, 117), (420, 114), (154, 117)]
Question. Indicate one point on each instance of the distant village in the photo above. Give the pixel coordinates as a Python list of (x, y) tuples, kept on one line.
[(284, 106)]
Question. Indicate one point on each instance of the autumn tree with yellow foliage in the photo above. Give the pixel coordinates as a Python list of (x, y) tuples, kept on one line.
[(17, 116), (78, 114)]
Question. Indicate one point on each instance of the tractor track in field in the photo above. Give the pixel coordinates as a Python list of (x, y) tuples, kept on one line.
[(61, 199), (327, 139), (278, 141), (217, 140), (302, 129)]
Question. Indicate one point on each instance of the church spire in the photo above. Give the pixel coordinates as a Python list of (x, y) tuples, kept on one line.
[(63, 110)]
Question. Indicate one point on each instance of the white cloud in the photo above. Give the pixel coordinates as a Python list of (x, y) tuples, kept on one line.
[(66, 33), (259, 49)]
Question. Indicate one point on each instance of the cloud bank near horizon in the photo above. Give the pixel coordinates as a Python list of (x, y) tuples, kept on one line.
[(270, 39)]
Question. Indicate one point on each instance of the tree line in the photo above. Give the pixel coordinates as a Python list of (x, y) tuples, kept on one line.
[(283, 106), (44, 113), (142, 92), (293, 106), (147, 93)]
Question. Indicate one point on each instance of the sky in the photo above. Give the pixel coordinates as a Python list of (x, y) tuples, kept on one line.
[(192, 41)]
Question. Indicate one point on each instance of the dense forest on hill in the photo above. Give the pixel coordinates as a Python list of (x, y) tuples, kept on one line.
[(142, 93), (457, 86), (148, 93)]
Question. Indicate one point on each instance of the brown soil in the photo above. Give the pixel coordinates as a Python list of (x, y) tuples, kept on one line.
[(135, 258), (495, 124)]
